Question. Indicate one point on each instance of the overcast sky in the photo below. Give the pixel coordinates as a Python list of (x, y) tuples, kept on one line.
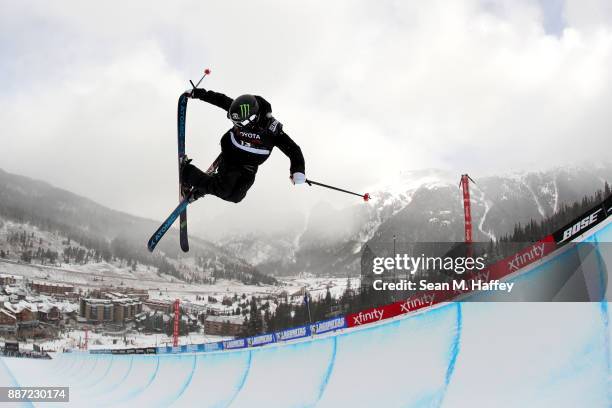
[(367, 89)]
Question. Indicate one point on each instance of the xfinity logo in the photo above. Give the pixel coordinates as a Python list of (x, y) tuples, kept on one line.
[(426, 299), (580, 226), (521, 259), (362, 318), (250, 135)]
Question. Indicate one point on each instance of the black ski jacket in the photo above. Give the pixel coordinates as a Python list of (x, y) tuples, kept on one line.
[(252, 145)]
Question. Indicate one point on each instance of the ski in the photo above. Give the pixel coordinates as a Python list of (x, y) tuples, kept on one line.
[(157, 236), (185, 196), (181, 118), (179, 211)]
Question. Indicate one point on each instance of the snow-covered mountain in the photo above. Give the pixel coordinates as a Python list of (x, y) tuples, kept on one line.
[(52, 215), (417, 206), (420, 206), (331, 237)]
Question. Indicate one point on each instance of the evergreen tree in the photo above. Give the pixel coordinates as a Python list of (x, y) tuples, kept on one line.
[(254, 324)]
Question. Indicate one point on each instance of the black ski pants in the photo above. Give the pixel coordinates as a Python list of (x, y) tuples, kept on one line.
[(230, 183)]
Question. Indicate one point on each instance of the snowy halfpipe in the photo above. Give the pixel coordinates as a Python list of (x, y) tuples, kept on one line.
[(454, 354)]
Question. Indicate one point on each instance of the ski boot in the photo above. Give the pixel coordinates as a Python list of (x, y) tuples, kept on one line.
[(195, 194), (187, 190), (185, 187)]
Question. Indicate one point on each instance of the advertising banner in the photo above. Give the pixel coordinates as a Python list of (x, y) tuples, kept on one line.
[(608, 206), (100, 351), (294, 333), (213, 346), (261, 340), (418, 301), (372, 315), (581, 224), (328, 325), (189, 348), (234, 344)]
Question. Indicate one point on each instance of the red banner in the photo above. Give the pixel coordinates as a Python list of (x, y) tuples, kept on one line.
[(373, 315), (520, 260), (498, 270)]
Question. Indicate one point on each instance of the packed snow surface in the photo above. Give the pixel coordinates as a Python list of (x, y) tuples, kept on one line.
[(457, 354)]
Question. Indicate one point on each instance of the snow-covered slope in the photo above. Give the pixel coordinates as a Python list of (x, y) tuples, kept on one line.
[(54, 219), (415, 206)]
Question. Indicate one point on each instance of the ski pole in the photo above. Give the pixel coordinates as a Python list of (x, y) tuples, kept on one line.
[(365, 196), (206, 72)]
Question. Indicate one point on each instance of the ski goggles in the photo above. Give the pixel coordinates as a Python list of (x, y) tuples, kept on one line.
[(245, 122)]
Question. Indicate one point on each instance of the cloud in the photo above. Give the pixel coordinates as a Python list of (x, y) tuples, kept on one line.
[(366, 88), (587, 15)]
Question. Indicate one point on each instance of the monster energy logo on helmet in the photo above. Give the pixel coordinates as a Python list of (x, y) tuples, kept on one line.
[(243, 110)]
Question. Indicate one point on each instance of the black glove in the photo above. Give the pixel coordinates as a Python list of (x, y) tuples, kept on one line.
[(198, 93), (195, 92)]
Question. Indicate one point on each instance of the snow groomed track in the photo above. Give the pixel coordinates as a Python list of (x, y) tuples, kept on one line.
[(452, 354)]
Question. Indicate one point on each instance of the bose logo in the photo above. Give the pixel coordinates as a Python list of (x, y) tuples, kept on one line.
[(579, 226)]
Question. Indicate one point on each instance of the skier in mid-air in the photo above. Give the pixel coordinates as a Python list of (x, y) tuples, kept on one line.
[(244, 147)]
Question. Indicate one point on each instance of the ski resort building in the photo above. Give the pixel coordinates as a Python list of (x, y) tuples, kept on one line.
[(25, 313), (116, 310), (51, 288), (96, 310), (164, 306), (223, 325), (49, 313), (141, 294), (23, 317), (126, 309), (8, 279), (8, 322)]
